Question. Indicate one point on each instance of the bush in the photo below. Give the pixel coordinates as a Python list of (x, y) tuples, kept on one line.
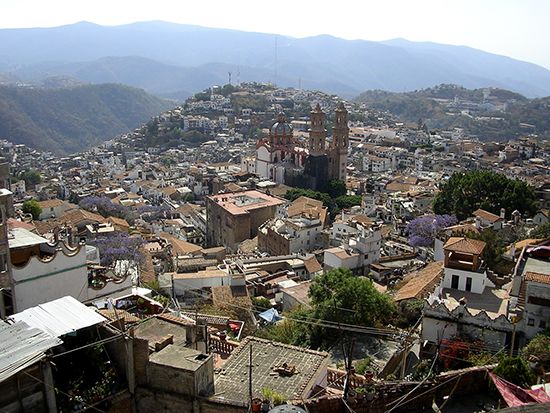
[(538, 347), (32, 207), (515, 370), (364, 365)]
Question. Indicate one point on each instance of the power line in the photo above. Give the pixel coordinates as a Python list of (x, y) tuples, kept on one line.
[(319, 322), (439, 385), (88, 406)]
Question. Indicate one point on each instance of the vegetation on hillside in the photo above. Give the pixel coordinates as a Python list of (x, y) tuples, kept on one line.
[(72, 119), (425, 104)]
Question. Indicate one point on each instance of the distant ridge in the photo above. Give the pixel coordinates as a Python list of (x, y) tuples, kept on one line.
[(491, 114), (182, 59), (71, 119)]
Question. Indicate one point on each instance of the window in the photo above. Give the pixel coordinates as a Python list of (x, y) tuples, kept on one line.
[(531, 322), (454, 282), (542, 324), (468, 283), (3, 263)]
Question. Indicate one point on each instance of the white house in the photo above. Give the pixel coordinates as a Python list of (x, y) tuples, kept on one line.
[(53, 208)]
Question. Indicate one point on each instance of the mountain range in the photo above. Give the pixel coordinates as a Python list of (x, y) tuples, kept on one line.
[(176, 60), (67, 120)]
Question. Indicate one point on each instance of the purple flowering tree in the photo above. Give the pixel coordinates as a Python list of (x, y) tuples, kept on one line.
[(103, 206), (422, 230), (119, 247)]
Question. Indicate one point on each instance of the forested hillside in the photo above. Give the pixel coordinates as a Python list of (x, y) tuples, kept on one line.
[(71, 119)]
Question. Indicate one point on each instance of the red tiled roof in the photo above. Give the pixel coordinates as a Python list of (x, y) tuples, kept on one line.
[(421, 282), (487, 216), (537, 277), (465, 245)]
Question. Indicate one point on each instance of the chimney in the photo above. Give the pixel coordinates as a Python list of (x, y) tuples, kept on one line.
[(502, 213), (478, 222)]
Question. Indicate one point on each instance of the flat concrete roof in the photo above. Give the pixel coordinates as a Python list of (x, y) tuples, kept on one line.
[(21, 237), (240, 203), (494, 301), (179, 357), (536, 265)]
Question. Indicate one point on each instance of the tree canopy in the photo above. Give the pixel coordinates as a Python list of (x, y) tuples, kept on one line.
[(31, 177), (539, 347), (335, 297), (335, 199), (340, 296), (465, 192), (32, 207)]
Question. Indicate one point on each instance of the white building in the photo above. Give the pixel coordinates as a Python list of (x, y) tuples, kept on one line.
[(357, 251), (43, 272)]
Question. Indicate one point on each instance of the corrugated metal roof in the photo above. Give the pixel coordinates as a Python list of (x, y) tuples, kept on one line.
[(21, 346), (59, 317)]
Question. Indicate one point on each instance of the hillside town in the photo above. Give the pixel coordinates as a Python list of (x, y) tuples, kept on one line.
[(258, 247)]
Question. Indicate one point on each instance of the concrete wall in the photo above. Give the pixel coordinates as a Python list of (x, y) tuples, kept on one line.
[(536, 315), (196, 283), (148, 400), (479, 281), (332, 261), (179, 381), (440, 323), (38, 282)]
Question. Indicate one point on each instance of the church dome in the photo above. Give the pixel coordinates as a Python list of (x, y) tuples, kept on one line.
[(281, 127)]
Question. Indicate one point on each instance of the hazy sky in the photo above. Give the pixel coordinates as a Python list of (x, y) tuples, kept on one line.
[(515, 28)]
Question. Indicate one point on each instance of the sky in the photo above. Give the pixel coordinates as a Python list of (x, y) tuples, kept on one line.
[(514, 28)]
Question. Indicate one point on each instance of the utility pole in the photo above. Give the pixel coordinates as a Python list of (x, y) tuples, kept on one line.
[(348, 358), (514, 321), (250, 377)]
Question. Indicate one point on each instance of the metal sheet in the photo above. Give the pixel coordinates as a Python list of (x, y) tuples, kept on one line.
[(21, 346), (59, 317)]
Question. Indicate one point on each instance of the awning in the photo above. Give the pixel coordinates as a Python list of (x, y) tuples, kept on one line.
[(515, 396)]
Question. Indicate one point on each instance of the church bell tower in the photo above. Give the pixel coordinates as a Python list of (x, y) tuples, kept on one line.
[(317, 132), (339, 145)]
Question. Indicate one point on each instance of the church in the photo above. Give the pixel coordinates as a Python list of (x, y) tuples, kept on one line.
[(280, 159)]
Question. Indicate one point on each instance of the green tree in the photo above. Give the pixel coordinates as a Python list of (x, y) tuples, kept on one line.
[(465, 192), (31, 177), (295, 193), (542, 231), (538, 347), (340, 296), (32, 207), (336, 188), (515, 370), (261, 303), (294, 329), (347, 201)]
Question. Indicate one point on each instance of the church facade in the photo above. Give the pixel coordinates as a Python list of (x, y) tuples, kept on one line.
[(280, 159)]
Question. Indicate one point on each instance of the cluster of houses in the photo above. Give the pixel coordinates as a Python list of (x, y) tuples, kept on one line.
[(132, 245)]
